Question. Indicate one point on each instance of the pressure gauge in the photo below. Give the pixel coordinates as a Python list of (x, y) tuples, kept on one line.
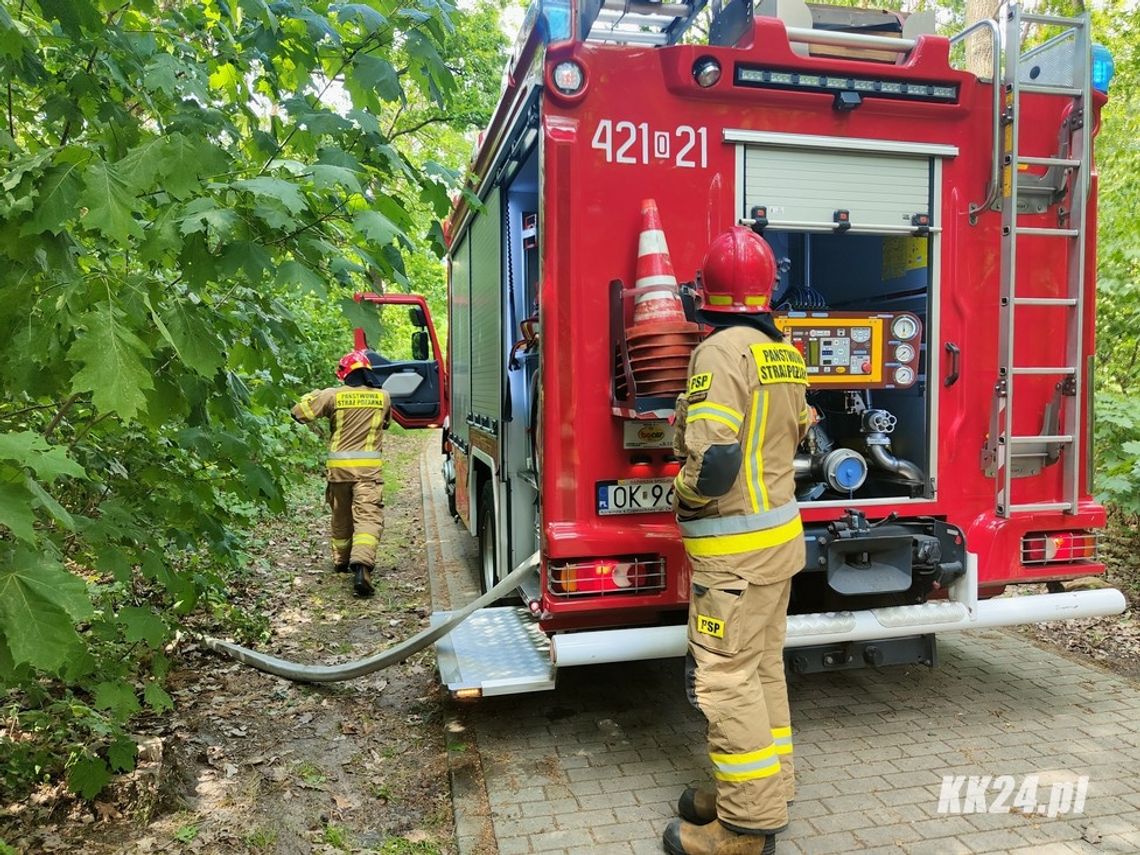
[(904, 353), (861, 334), (904, 376), (904, 327)]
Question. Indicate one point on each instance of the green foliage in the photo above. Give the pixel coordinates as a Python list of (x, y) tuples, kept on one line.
[(1117, 426), (190, 194)]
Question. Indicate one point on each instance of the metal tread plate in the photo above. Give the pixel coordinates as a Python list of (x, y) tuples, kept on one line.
[(499, 651)]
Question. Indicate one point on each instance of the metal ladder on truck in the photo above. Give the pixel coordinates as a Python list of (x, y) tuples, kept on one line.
[(639, 22), (1059, 67)]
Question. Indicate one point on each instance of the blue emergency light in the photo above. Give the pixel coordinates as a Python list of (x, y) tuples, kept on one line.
[(1103, 68)]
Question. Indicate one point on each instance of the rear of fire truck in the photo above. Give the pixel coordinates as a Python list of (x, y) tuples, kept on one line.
[(935, 236)]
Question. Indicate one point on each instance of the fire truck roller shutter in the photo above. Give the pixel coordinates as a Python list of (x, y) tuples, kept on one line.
[(802, 188), (486, 310), (459, 346)]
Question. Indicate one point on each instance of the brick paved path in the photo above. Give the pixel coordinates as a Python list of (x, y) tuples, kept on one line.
[(596, 765)]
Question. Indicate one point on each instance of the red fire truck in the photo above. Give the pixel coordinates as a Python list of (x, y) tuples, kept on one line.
[(935, 235)]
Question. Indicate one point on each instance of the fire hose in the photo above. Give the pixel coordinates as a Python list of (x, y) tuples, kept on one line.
[(301, 673)]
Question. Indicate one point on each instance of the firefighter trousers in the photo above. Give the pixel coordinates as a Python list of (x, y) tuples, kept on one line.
[(735, 676), (357, 520)]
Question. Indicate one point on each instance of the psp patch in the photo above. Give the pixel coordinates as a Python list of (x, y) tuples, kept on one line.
[(699, 385), (710, 626)]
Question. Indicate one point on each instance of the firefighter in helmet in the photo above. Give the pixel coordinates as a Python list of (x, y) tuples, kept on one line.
[(357, 414), (738, 426)]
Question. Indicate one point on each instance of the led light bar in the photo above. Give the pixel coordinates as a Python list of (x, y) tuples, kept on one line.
[(868, 87)]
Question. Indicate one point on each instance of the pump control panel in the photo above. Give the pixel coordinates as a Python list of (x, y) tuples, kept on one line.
[(856, 350)]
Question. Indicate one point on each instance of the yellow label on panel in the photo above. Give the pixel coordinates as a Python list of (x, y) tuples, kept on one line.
[(903, 253), (700, 382), (710, 626)]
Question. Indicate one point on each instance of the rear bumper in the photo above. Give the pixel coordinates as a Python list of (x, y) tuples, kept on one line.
[(627, 645)]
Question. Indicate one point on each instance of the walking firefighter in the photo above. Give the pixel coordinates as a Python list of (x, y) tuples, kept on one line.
[(738, 427), (357, 415)]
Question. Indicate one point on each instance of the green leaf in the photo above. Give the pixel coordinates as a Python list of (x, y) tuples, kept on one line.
[(369, 19), (327, 176), (156, 698), (31, 450), (285, 192), (16, 511), (117, 697), (142, 625), (48, 503), (144, 163), (110, 203), (122, 753), (88, 777), (57, 202), (111, 360), (204, 213), (74, 16), (377, 227), (39, 603), (373, 72), (193, 339), (295, 273)]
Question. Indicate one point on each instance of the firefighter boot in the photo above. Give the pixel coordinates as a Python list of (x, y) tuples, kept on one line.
[(685, 838), (697, 806), (362, 580), (342, 568)]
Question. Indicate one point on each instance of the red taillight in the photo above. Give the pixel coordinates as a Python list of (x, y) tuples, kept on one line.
[(606, 576), (1059, 547)]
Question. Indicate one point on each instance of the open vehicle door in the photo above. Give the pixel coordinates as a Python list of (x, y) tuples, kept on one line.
[(418, 387)]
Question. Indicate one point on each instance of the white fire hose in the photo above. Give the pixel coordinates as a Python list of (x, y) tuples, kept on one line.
[(301, 673)]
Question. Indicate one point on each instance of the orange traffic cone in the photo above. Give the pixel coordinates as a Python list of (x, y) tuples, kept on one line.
[(660, 338), (660, 304)]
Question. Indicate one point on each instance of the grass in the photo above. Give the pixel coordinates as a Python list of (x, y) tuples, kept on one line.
[(261, 838), (310, 773), (336, 836), (186, 833)]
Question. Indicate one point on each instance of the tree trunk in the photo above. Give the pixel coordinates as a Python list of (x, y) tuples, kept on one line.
[(979, 48)]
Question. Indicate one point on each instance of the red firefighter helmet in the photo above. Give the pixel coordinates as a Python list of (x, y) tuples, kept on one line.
[(738, 273), (351, 361)]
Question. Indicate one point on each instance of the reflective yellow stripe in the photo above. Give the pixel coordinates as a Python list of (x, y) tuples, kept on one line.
[(370, 441), (732, 414), (758, 454), (805, 416), (338, 542), (710, 417), (688, 495), (782, 737), (365, 540), (307, 409), (746, 767), (749, 460), (734, 544), (354, 463)]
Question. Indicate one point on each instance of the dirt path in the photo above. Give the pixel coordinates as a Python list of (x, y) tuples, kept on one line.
[(252, 763)]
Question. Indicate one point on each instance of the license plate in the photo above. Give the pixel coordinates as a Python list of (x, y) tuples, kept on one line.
[(635, 496)]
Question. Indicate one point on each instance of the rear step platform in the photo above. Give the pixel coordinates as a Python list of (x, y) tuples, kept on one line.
[(496, 651)]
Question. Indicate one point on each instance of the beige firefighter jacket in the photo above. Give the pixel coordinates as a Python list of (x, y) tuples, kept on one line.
[(738, 426), (357, 417)]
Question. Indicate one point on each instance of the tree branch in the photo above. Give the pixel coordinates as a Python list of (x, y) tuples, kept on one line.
[(339, 206), (60, 413), (419, 126)]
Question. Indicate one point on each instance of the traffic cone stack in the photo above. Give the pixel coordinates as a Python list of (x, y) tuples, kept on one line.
[(660, 339)]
